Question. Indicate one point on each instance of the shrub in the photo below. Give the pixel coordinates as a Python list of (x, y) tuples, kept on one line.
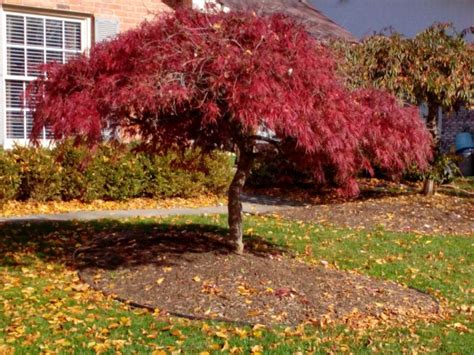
[(40, 175), (116, 174), (73, 160), (219, 169), (109, 172), (445, 168), (9, 177), (188, 174)]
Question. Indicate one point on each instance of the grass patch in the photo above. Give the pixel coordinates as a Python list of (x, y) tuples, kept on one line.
[(44, 307), (465, 183), (462, 187)]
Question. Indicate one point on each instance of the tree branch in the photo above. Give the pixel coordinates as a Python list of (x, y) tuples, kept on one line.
[(274, 141)]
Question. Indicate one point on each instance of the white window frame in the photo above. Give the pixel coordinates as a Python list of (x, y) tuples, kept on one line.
[(86, 39)]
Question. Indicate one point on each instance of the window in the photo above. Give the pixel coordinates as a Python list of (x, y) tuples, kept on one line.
[(30, 41)]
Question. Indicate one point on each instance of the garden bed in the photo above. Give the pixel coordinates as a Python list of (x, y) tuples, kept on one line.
[(187, 274)]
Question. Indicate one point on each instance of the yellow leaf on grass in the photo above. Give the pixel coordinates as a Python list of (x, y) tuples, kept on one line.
[(242, 333), (5, 349), (80, 287), (125, 321), (257, 333), (160, 280), (177, 333), (221, 335), (460, 327), (225, 347)]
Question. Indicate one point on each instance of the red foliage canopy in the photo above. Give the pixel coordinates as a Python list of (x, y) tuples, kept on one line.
[(215, 80)]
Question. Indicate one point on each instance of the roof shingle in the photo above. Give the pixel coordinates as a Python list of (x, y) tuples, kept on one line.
[(317, 24)]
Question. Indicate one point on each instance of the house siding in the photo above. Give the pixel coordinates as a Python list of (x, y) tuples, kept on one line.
[(128, 12)]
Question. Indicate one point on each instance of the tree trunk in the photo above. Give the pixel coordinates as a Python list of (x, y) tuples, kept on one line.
[(432, 125), (244, 164), (429, 187)]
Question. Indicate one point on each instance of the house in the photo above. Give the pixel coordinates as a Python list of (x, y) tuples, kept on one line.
[(35, 32)]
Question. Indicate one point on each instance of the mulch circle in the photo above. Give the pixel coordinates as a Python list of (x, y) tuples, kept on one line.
[(193, 274)]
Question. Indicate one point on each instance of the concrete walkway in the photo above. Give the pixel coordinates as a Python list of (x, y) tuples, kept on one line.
[(251, 204)]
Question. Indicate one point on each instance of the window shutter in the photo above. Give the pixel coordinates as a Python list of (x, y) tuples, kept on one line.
[(106, 29)]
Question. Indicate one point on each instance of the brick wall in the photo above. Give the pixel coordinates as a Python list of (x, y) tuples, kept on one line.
[(129, 12), (455, 123)]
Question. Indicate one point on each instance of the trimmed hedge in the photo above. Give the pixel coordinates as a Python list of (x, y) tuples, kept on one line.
[(110, 173), (10, 177)]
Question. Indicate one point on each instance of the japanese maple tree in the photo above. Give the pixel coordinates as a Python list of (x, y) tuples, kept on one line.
[(221, 80)]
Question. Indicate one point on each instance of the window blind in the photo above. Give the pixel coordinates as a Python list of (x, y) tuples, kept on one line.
[(31, 41)]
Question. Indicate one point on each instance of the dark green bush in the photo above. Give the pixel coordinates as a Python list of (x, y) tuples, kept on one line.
[(116, 174), (443, 170), (109, 172), (73, 161), (219, 172), (177, 175), (9, 177), (40, 175)]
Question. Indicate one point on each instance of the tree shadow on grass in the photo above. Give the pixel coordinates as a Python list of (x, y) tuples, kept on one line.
[(110, 244)]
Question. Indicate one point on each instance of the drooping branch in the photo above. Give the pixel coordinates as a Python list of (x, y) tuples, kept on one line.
[(274, 141)]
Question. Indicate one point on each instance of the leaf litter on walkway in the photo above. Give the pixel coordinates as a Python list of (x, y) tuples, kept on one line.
[(22, 208)]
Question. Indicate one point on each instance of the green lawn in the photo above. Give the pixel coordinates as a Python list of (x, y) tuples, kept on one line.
[(44, 307)]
